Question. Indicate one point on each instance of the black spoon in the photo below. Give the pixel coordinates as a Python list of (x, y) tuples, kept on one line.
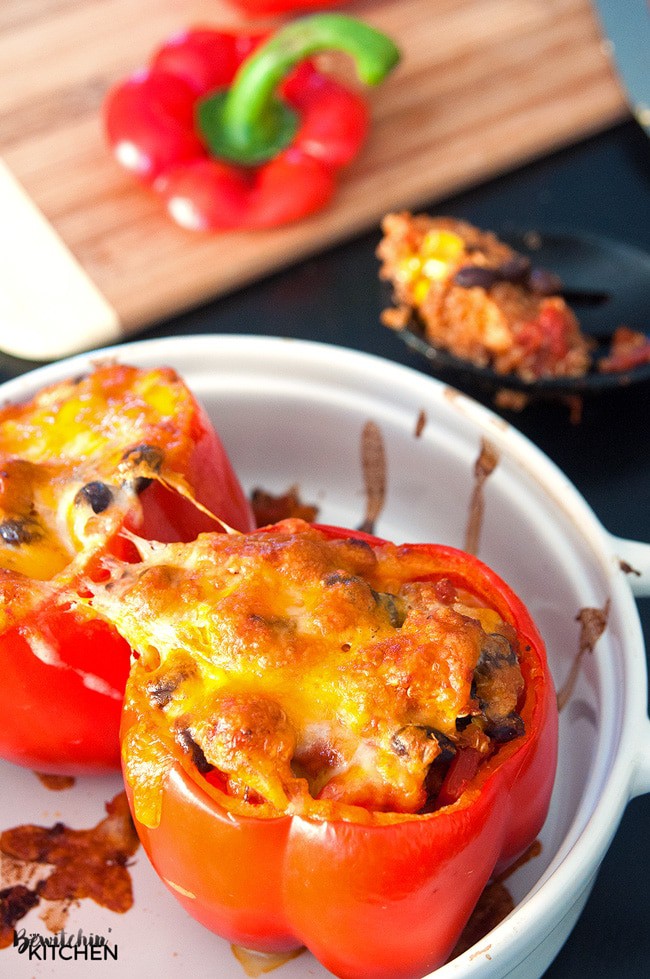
[(607, 285)]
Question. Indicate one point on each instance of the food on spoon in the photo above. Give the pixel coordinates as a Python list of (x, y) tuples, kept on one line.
[(629, 349), (236, 130), (86, 457), (330, 740), (474, 296)]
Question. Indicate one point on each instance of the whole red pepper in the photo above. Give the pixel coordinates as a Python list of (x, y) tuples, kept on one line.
[(81, 461), (373, 894), (257, 7), (235, 130)]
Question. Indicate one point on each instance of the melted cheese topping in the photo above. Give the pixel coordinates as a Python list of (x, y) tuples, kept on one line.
[(298, 668), (73, 459)]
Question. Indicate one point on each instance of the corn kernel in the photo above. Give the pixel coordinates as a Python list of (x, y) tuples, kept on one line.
[(408, 268), (421, 290), (443, 245), (435, 269)]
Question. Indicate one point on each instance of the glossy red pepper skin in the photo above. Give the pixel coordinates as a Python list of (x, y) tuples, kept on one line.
[(384, 897), (150, 126), (256, 8), (63, 671)]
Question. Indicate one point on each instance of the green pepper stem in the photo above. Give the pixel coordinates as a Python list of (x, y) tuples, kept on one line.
[(248, 123)]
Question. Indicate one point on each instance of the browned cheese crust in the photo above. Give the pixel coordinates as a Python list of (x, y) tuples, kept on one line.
[(295, 670)]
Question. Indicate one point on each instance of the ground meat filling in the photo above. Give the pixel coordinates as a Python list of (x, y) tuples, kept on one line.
[(300, 672)]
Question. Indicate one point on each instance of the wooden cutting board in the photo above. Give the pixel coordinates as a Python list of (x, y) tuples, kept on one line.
[(88, 257)]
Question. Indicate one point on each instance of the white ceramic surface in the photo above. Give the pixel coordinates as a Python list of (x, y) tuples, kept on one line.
[(292, 412)]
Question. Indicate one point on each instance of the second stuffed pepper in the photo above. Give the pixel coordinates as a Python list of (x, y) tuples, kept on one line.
[(120, 447)]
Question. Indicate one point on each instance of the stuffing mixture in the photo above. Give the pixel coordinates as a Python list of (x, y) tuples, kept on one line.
[(474, 296)]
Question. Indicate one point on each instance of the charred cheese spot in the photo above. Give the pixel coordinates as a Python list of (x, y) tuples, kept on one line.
[(306, 671), (161, 684)]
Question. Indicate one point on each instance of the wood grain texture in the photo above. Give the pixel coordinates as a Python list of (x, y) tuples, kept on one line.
[(483, 86)]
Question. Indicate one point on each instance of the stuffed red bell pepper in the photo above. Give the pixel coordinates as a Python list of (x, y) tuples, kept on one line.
[(84, 459), (329, 740), (235, 130)]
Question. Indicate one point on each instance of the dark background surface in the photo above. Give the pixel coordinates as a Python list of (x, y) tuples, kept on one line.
[(601, 186)]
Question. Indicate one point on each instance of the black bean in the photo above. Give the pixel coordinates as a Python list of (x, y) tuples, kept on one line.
[(163, 684), (56, 830), (402, 741), (515, 269), (97, 494), (188, 744), (16, 532), (398, 744), (446, 745), (498, 683), (496, 652), (149, 457), (544, 283), (141, 484), (393, 607), (470, 276), (505, 728)]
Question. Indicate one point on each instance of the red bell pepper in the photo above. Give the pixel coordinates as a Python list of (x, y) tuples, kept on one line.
[(78, 463), (374, 891), (258, 7), (237, 131)]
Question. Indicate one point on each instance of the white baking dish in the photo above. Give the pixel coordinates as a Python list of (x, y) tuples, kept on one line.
[(292, 412)]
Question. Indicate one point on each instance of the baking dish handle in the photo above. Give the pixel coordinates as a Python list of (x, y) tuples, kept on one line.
[(634, 557), (641, 779)]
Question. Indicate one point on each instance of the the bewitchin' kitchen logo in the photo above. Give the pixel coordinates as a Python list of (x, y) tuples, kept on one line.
[(63, 946)]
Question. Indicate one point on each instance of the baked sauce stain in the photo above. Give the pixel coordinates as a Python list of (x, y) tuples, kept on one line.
[(593, 622), (55, 783), (270, 509), (420, 423), (62, 866), (628, 569), (494, 904), (15, 902), (259, 963), (373, 466), (486, 463)]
